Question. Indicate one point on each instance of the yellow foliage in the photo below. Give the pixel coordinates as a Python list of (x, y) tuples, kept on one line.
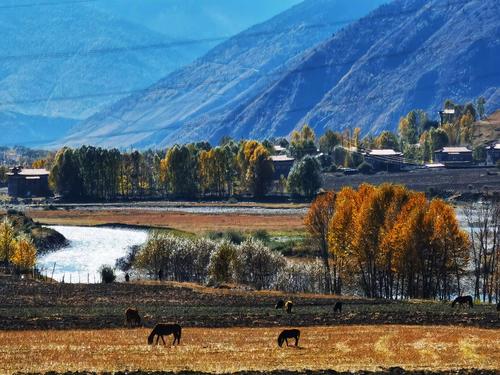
[(24, 255)]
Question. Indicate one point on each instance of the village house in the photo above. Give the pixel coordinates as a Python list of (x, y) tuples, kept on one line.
[(282, 165), (385, 159), (27, 183), (453, 156)]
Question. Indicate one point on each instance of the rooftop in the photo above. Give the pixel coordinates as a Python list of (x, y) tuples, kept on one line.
[(384, 152), (281, 158), (28, 172), (455, 150)]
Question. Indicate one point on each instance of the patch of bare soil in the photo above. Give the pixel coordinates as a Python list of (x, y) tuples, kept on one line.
[(35, 305)]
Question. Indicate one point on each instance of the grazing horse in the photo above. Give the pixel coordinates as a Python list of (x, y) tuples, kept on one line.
[(288, 334), (164, 329), (337, 307), (280, 304), (463, 300), (132, 318), (288, 306)]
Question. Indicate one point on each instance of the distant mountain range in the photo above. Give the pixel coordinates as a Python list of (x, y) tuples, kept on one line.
[(195, 19), (192, 103)]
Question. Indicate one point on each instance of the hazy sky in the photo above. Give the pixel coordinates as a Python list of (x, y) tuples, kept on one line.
[(195, 18)]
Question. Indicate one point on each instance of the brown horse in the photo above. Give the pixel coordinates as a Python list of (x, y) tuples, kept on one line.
[(288, 334), (132, 318), (337, 307), (164, 329), (463, 300)]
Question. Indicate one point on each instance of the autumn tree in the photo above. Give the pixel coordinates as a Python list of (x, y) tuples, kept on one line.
[(7, 241), (328, 141), (317, 224), (386, 140), (24, 255), (303, 142)]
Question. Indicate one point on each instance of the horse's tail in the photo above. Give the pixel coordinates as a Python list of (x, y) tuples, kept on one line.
[(280, 340)]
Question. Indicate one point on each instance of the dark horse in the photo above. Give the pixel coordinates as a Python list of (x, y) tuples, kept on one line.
[(337, 307), (164, 329), (498, 306), (463, 300), (289, 334), (132, 317), (280, 304)]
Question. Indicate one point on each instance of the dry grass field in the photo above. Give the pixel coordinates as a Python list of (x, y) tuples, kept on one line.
[(241, 349), (187, 222)]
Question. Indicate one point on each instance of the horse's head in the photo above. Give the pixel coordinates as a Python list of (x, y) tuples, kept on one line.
[(280, 341)]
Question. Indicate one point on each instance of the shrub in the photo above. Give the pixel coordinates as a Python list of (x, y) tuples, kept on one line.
[(305, 177), (222, 262), (256, 265), (261, 235), (107, 274), (365, 168)]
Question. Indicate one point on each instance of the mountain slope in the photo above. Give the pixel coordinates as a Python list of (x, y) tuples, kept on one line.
[(188, 103), (405, 55)]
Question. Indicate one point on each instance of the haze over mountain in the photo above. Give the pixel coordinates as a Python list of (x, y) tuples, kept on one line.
[(405, 55), (195, 19), (94, 53), (216, 83)]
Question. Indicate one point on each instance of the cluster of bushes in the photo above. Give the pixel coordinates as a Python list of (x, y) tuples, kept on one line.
[(212, 262)]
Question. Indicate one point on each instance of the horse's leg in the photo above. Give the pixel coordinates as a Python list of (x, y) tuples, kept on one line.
[(157, 339), (286, 339), (162, 339), (296, 340)]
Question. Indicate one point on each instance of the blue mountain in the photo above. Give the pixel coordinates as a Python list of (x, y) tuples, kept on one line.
[(193, 102)]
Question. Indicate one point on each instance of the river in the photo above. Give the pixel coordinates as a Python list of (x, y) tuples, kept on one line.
[(89, 248)]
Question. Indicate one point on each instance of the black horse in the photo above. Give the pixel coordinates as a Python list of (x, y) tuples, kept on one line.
[(498, 306), (289, 334), (164, 329), (337, 307), (280, 304), (463, 300)]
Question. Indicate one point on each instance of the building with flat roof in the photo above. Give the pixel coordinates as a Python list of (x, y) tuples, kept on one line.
[(282, 165), (27, 183), (453, 156)]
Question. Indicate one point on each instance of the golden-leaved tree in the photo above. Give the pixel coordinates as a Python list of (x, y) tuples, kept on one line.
[(24, 256), (397, 244)]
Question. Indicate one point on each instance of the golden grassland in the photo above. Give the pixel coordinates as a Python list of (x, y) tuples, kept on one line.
[(182, 221), (237, 349)]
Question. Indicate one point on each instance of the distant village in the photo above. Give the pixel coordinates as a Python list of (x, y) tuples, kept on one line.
[(26, 173)]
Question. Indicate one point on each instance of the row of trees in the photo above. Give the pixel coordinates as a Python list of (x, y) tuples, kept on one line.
[(16, 250), (182, 171), (392, 242)]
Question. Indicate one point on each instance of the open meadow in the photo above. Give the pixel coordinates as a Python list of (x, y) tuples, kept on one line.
[(222, 350), (181, 221)]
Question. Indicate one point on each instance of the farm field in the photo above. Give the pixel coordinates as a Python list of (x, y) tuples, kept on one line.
[(225, 350), (34, 305), (182, 221)]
